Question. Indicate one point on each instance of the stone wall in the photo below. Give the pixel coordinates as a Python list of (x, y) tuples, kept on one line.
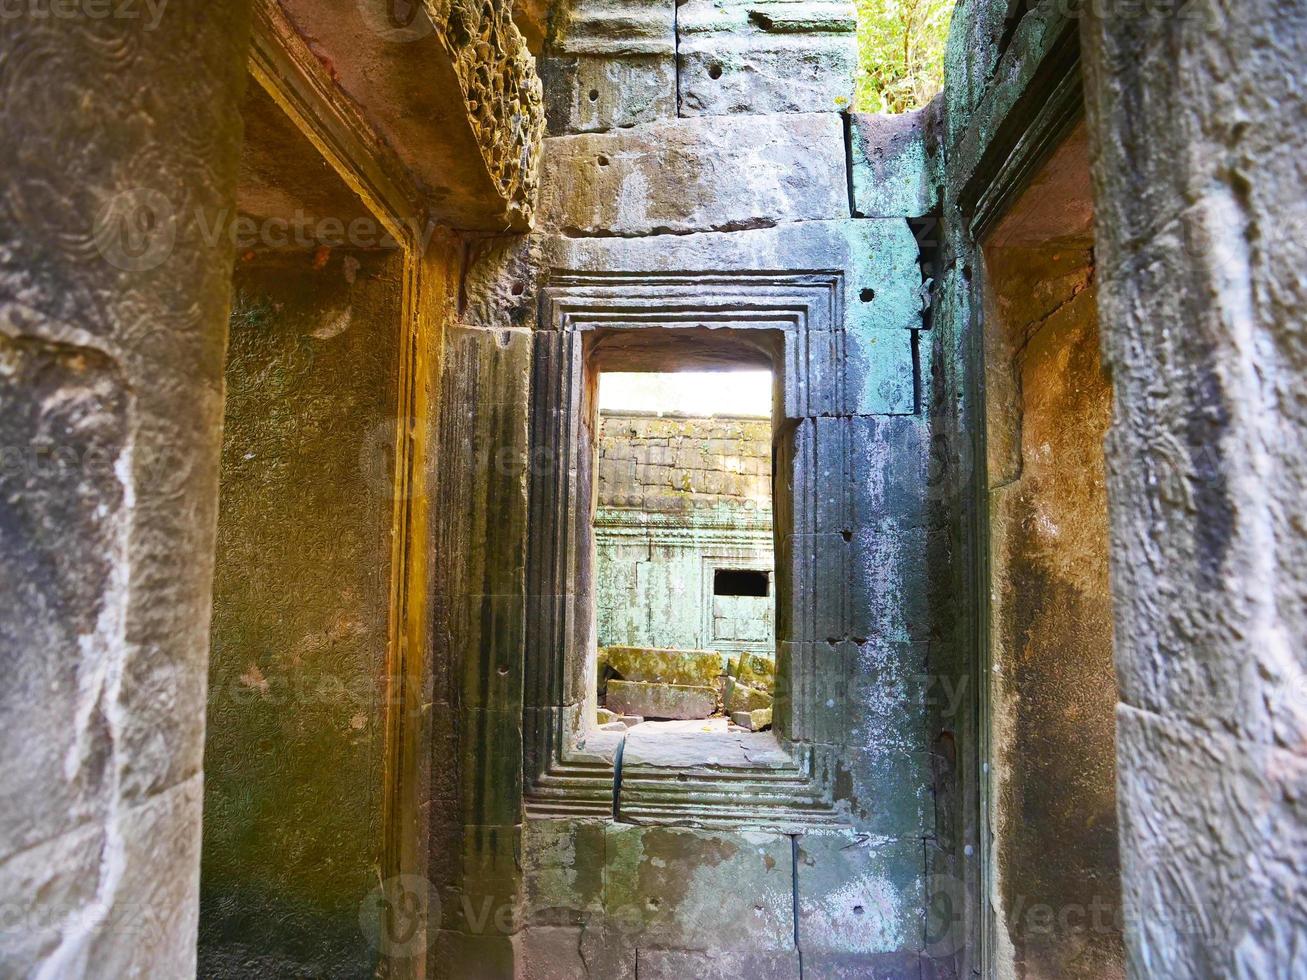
[(1054, 687), (679, 498), (697, 152), (123, 180), (1197, 235), (1198, 178), (111, 340), (298, 661)]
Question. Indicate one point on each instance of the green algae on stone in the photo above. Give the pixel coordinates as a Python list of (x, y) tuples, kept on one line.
[(742, 697), (753, 670), (696, 668)]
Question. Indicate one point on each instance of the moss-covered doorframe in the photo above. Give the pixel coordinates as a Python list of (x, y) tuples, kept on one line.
[(1020, 143), (282, 64)]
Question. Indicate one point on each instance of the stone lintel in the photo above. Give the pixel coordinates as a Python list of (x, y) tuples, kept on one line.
[(458, 99)]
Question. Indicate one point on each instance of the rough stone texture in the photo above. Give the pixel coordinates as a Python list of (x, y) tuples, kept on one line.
[(452, 88), (765, 56), (111, 342), (676, 701), (694, 175), (610, 63), (298, 667), (1201, 247), (895, 163), (699, 668), (1054, 687), (1227, 901), (696, 890), (859, 897), (754, 721), (676, 964), (753, 670), (995, 52), (740, 697), (669, 463)]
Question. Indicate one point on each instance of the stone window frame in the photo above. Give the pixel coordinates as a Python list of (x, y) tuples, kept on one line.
[(711, 561), (792, 322)]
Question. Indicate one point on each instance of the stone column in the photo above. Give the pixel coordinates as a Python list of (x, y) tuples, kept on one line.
[(1197, 117), (122, 136)]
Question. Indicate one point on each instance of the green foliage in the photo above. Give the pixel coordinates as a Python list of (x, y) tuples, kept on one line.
[(900, 53)]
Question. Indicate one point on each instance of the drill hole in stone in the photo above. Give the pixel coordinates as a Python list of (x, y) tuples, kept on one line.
[(518, 288), (714, 72), (602, 160), (867, 295), (594, 95)]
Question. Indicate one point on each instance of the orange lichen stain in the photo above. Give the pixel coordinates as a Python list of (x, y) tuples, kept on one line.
[(249, 256), (769, 861), (321, 255), (254, 678)]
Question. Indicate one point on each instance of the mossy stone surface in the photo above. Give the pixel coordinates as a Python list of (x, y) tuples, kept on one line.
[(695, 668)]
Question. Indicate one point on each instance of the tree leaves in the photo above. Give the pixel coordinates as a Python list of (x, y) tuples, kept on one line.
[(900, 53)]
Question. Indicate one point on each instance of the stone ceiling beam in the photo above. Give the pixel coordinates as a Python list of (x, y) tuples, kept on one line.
[(453, 91)]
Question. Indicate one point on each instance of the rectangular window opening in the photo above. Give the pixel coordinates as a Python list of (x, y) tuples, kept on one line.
[(684, 551), (741, 582)]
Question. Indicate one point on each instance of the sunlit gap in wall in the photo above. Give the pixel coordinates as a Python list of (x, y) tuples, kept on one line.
[(684, 568)]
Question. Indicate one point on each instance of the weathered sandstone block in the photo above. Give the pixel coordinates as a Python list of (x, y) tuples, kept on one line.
[(697, 668), (857, 900), (670, 701), (893, 164), (753, 670), (754, 721), (610, 63), (695, 175), (741, 697), (683, 889), (764, 56)]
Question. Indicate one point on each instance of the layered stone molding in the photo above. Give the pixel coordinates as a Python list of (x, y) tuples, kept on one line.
[(719, 227)]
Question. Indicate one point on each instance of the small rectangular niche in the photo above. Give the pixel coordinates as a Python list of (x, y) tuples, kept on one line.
[(741, 582)]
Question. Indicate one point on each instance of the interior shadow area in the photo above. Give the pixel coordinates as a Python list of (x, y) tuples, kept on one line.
[(295, 747), (1053, 685)]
